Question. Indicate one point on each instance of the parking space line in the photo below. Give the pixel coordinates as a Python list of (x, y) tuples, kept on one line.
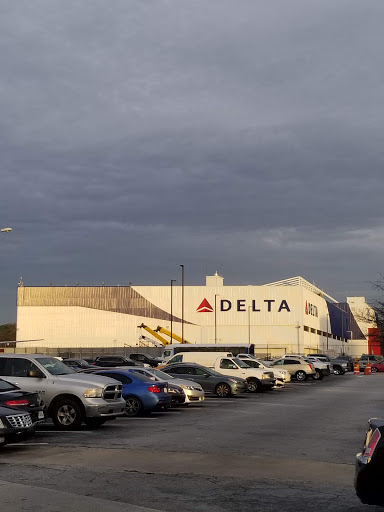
[(28, 444)]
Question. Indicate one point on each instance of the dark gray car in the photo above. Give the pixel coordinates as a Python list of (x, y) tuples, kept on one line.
[(210, 380)]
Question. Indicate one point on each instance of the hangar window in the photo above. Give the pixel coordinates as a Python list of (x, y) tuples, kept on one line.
[(313, 330), (318, 332), (306, 328)]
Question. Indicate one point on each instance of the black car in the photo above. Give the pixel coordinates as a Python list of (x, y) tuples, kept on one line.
[(369, 468), (210, 380), (79, 364), (14, 398), (14, 426), (146, 359), (112, 361)]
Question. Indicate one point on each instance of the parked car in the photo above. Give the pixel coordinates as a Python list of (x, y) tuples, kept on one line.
[(71, 398), (369, 467), (322, 368), (377, 367), (141, 394), (340, 366), (146, 359), (280, 375), (193, 391), (297, 367), (348, 360), (79, 364), (13, 397), (15, 426), (210, 380), (113, 361), (365, 358)]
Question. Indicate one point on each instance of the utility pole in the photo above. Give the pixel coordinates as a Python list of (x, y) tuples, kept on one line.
[(182, 303)]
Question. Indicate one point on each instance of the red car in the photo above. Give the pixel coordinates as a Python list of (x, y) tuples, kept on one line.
[(377, 367)]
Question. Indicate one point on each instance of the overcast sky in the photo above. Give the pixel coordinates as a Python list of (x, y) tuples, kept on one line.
[(239, 136)]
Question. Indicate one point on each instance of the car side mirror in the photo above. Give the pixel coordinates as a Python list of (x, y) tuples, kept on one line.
[(206, 375), (37, 374)]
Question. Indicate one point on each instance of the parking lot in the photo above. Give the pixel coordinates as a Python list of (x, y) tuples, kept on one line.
[(287, 449)]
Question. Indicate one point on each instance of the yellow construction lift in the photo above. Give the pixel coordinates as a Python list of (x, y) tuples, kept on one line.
[(173, 337)]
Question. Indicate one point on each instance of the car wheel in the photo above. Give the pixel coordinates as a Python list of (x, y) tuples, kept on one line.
[(94, 422), (67, 415), (337, 370), (374, 369), (223, 390), (318, 375), (253, 385), (134, 406), (301, 375)]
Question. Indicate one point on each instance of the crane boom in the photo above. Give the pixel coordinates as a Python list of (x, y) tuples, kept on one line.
[(154, 333), (174, 336)]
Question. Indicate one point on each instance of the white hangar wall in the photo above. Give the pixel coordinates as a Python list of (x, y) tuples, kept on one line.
[(281, 318)]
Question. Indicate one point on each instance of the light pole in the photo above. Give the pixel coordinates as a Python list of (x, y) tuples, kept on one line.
[(5, 230), (182, 303), (216, 295), (249, 328), (172, 281), (327, 330)]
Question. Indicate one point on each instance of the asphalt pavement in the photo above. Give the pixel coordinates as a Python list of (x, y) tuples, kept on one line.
[(290, 449)]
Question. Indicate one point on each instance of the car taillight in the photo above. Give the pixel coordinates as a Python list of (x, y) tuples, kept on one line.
[(370, 448), (16, 402), (311, 366), (154, 389)]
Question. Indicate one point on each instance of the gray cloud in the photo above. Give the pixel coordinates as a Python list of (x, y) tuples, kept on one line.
[(243, 137)]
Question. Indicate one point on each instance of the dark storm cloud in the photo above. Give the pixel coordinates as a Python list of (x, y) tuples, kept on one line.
[(244, 137)]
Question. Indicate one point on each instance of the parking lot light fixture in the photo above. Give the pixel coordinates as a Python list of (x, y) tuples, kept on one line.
[(6, 230)]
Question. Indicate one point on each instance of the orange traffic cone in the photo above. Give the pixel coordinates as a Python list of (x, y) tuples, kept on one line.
[(356, 369), (368, 369)]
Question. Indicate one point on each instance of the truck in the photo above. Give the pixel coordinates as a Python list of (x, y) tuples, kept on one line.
[(71, 398), (226, 364)]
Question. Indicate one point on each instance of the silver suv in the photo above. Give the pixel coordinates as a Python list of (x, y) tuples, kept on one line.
[(298, 367), (72, 398)]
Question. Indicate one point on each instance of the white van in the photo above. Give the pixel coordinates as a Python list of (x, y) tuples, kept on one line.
[(203, 358)]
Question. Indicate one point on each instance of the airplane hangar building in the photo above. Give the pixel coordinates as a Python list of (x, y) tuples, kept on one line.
[(288, 316)]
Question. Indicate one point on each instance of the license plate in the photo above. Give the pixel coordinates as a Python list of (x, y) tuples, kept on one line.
[(41, 415)]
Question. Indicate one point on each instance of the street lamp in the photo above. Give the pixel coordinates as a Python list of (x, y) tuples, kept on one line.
[(6, 230), (182, 303), (172, 281), (249, 328)]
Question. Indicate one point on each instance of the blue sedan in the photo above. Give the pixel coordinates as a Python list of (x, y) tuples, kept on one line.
[(141, 394)]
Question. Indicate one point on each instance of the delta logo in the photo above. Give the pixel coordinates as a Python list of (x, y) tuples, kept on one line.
[(311, 309), (205, 307)]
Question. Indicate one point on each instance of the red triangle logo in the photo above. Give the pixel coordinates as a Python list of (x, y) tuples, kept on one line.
[(205, 307)]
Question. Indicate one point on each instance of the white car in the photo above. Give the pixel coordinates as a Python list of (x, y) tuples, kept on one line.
[(281, 376)]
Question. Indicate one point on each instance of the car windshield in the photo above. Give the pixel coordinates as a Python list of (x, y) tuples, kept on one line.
[(54, 366), (240, 362), (7, 386), (161, 375)]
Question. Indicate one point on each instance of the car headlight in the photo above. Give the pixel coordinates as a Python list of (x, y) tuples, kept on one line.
[(186, 387), (2, 424), (265, 376), (234, 380), (94, 393)]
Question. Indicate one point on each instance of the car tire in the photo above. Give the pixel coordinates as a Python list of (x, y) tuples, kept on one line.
[(67, 415), (253, 385), (222, 390), (301, 376), (94, 422), (374, 370), (318, 375), (337, 370), (134, 407)]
